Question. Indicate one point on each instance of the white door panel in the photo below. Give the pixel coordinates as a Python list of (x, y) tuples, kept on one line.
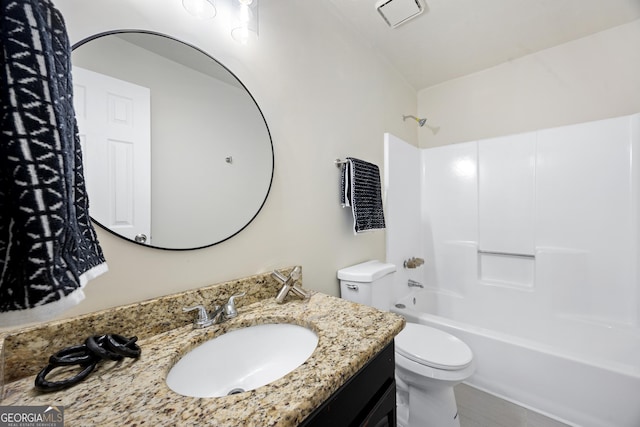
[(114, 124)]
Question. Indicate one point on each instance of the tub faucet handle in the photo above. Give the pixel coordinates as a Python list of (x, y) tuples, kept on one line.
[(413, 262)]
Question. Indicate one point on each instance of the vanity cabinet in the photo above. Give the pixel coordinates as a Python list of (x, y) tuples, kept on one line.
[(366, 399)]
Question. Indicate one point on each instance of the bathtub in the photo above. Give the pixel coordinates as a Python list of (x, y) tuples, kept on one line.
[(577, 372)]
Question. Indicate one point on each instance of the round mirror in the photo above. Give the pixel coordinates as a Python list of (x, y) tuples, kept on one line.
[(176, 152)]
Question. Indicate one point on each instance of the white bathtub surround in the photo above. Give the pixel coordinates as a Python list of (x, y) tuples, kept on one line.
[(531, 249), (402, 204), (506, 207)]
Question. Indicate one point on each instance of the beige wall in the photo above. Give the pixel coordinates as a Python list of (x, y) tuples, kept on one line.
[(592, 78), (324, 95)]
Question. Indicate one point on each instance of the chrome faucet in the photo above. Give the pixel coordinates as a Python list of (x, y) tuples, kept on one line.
[(289, 284), (218, 315), (414, 284)]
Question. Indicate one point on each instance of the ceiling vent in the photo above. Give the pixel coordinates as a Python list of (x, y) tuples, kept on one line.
[(397, 12)]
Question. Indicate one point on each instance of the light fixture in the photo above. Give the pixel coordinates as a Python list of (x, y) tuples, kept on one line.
[(201, 9), (246, 21), (240, 15)]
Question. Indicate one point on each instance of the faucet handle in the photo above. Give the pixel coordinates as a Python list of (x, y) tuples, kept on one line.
[(300, 292), (230, 308), (278, 275), (289, 284), (203, 317), (293, 275)]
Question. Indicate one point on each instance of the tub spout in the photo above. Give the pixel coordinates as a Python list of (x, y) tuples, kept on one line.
[(414, 284)]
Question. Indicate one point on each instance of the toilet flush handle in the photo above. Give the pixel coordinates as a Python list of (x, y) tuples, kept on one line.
[(352, 287)]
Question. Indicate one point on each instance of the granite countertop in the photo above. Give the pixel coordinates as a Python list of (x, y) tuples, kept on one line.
[(133, 391)]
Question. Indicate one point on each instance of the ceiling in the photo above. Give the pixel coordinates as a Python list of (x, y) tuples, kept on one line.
[(454, 38)]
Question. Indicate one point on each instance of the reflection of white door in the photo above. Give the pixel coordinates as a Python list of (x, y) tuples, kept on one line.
[(114, 123)]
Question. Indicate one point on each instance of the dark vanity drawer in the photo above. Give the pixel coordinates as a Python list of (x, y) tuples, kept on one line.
[(366, 399)]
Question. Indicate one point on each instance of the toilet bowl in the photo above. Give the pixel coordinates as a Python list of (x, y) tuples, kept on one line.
[(429, 362)]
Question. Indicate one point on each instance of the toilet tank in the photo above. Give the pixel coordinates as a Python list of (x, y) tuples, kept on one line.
[(368, 283)]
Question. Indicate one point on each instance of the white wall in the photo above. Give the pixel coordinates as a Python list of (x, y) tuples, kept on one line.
[(587, 79), (324, 93)]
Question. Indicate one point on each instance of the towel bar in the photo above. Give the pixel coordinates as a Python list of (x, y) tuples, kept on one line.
[(339, 162)]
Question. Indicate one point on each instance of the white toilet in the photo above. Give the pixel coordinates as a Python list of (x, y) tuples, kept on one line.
[(429, 362)]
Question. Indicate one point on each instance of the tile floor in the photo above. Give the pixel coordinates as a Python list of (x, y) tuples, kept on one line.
[(479, 409)]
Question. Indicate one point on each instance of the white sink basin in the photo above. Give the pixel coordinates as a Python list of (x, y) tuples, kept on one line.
[(242, 360)]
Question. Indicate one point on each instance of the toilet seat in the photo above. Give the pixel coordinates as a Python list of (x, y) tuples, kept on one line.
[(432, 347)]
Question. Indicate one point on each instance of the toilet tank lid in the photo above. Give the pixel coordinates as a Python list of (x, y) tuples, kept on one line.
[(366, 271)]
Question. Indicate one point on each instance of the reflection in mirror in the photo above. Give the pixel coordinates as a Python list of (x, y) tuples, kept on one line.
[(176, 151)]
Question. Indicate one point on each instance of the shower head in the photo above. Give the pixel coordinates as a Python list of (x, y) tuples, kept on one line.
[(421, 123)]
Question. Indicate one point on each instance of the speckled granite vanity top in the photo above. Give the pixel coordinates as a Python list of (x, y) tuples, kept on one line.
[(134, 392)]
